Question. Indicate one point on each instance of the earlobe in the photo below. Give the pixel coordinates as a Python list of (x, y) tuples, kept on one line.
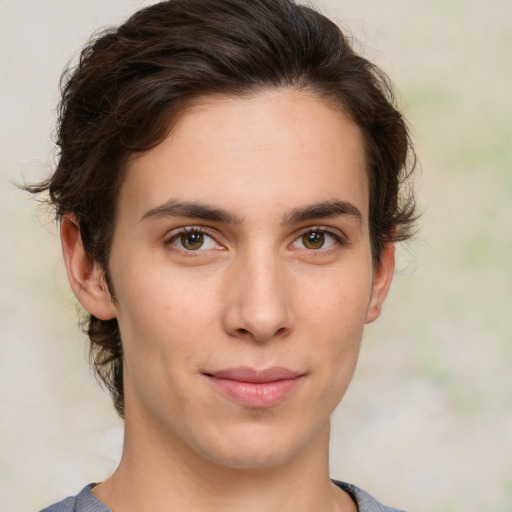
[(381, 282), (84, 274)]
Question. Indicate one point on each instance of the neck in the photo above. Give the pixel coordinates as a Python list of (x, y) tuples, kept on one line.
[(158, 473)]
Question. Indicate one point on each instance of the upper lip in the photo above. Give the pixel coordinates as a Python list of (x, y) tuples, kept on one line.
[(245, 374)]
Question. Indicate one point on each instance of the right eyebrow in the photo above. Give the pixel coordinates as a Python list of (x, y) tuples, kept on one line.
[(192, 210)]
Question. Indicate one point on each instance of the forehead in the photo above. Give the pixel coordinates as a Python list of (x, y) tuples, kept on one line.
[(285, 147)]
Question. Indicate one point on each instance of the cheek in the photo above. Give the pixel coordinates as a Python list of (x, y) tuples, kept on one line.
[(337, 300), (337, 331), (164, 323), (163, 315), (333, 315)]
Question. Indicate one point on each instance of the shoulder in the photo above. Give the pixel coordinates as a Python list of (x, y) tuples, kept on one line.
[(84, 501), (365, 502)]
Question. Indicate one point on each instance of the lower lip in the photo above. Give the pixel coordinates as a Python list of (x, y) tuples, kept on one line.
[(257, 395)]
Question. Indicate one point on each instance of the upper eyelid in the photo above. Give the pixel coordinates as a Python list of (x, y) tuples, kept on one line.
[(187, 229)]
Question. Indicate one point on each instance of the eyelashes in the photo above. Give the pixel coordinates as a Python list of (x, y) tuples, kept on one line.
[(191, 240)]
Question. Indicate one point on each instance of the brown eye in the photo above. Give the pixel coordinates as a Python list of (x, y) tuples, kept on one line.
[(313, 239), (192, 240)]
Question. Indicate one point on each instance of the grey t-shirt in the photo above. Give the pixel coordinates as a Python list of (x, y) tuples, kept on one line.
[(85, 501)]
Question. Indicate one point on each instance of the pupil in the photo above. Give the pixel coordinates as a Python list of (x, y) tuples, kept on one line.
[(313, 240), (192, 240)]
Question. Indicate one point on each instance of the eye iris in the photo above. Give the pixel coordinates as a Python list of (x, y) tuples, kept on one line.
[(313, 240), (192, 241)]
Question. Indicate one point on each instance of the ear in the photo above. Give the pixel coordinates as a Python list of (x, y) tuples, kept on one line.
[(382, 278), (85, 275)]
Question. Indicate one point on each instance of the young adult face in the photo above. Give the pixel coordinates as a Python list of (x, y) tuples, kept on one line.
[(242, 269)]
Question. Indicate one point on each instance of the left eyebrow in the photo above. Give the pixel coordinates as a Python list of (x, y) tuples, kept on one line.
[(323, 210)]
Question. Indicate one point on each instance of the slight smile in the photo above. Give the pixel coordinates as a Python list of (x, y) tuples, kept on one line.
[(255, 388)]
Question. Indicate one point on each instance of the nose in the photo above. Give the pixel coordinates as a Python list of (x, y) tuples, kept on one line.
[(258, 299)]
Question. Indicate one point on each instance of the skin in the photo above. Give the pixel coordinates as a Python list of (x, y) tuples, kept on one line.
[(269, 286)]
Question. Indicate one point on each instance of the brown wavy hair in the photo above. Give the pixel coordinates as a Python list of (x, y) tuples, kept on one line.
[(131, 82)]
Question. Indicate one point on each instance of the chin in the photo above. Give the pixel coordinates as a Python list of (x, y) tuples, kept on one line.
[(251, 458), (258, 447)]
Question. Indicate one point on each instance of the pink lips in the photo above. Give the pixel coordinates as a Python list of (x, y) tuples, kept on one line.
[(255, 388)]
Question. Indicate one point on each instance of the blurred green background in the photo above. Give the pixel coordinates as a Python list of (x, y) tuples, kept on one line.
[(427, 423)]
